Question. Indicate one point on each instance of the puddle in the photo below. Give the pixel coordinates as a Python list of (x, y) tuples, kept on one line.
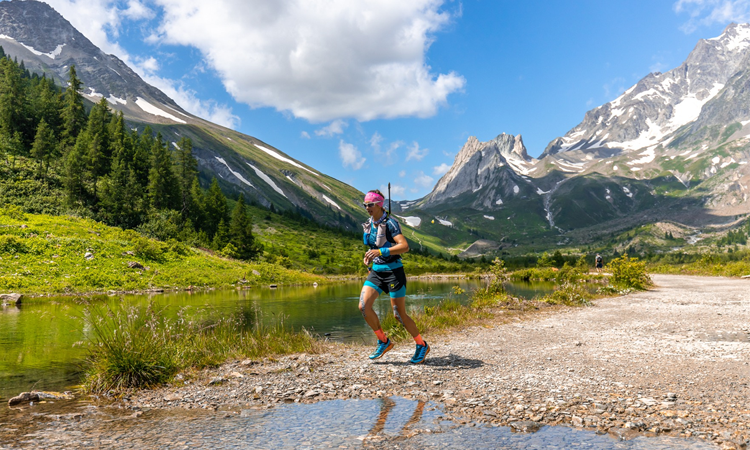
[(384, 423)]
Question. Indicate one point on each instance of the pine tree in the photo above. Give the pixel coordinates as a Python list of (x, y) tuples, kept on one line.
[(221, 237), (215, 208), (43, 147), (197, 214), (241, 232), (186, 168), (73, 113), (163, 190), (75, 172), (13, 106), (98, 128)]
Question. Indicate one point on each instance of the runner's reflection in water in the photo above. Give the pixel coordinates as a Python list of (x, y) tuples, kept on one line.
[(387, 405)]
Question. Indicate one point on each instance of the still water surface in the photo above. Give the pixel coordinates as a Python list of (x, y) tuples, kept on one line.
[(41, 342), (391, 422)]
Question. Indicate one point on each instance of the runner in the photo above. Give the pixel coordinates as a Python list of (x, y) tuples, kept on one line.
[(599, 262), (382, 234)]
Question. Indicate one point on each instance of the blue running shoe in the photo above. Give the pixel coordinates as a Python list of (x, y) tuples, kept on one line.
[(420, 354), (382, 348)]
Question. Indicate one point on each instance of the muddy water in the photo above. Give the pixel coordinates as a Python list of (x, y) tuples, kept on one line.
[(385, 423)]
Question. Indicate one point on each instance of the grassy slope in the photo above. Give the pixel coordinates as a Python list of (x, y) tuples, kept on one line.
[(46, 254)]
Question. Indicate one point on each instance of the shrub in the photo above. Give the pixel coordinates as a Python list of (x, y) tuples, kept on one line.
[(629, 273), (149, 249), (12, 211), (571, 294), (12, 244)]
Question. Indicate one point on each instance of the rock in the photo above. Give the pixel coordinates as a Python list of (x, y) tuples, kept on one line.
[(135, 265), (89, 256), (11, 299), (525, 426), (256, 273), (24, 397), (173, 398), (54, 395), (216, 380), (577, 421)]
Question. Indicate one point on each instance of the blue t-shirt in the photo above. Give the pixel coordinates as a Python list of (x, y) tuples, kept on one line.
[(381, 263)]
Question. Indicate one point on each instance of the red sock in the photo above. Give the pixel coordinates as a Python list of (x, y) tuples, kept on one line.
[(381, 335), (419, 340)]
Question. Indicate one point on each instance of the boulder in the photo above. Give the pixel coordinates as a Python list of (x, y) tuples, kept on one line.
[(24, 397), (11, 299), (135, 265)]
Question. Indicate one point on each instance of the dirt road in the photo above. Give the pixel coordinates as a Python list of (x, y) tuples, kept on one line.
[(673, 360)]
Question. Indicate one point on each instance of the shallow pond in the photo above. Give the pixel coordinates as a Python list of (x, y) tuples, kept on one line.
[(41, 342), (384, 423)]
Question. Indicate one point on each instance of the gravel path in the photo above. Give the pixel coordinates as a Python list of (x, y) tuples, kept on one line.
[(673, 361)]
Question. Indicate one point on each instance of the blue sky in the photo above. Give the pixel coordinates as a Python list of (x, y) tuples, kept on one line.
[(378, 91)]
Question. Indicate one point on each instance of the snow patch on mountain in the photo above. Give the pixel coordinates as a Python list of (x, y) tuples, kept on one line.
[(267, 179), (234, 172), (325, 197), (412, 221), (151, 109), (115, 100), (444, 222), (284, 159)]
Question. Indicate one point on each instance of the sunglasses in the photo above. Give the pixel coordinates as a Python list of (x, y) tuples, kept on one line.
[(369, 205)]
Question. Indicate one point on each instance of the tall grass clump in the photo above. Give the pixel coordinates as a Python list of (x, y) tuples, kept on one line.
[(628, 273), (142, 347), (570, 294)]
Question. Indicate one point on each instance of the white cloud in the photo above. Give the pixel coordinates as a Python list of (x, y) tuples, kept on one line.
[(350, 156), (137, 11), (416, 153), (362, 59), (396, 190), (423, 180), (305, 135), (335, 127), (708, 12), (441, 170), (375, 141), (149, 64), (402, 174), (187, 98)]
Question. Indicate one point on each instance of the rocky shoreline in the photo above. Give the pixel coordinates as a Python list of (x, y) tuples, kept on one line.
[(671, 361)]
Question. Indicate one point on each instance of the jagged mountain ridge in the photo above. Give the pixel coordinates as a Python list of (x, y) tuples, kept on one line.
[(47, 43), (672, 147)]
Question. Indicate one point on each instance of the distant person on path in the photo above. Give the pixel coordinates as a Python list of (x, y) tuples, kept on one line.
[(382, 234), (599, 262)]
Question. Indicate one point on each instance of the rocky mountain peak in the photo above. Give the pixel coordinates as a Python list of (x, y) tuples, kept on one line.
[(479, 167), (35, 33), (659, 104)]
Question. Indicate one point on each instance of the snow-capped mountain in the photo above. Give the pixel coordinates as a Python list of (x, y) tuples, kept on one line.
[(649, 113), (33, 32), (482, 167), (36, 34), (672, 147)]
